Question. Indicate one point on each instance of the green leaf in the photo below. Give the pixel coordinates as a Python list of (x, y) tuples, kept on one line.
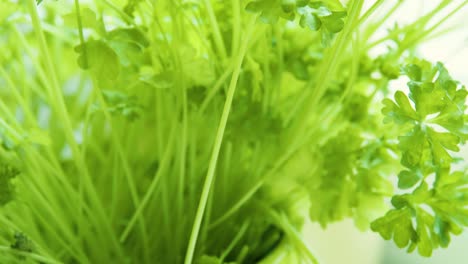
[(100, 59), (88, 19), (414, 72), (334, 22), (407, 179), (318, 15), (311, 21), (130, 7), (396, 225), (442, 230), (288, 5), (401, 112), (439, 102), (270, 10), (412, 146), (129, 44), (331, 200), (424, 242), (427, 98), (197, 69)]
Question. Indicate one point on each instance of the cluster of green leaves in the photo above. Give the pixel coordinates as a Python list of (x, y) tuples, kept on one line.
[(352, 181), (326, 16), (435, 120)]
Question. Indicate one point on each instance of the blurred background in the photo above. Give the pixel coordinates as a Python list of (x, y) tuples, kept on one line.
[(342, 242)]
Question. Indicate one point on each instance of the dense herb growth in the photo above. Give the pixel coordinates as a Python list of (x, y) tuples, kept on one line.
[(199, 131)]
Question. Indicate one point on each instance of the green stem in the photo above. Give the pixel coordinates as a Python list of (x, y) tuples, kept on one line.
[(230, 212), (31, 256), (426, 33), (294, 235), (236, 29), (419, 24), (215, 30), (80, 32), (58, 102), (234, 241), (216, 148), (370, 11), (117, 143), (333, 57), (212, 92), (151, 189)]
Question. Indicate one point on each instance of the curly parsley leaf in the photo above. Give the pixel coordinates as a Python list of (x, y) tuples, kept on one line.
[(327, 16), (435, 103), (271, 11), (426, 217), (318, 16), (412, 225), (353, 181)]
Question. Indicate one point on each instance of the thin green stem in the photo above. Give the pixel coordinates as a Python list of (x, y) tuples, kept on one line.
[(294, 236), (218, 39), (426, 33), (216, 148), (179, 37), (117, 143), (58, 102), (18, 96), (212, 92), (151, 189), (370, 11), (231, 211), (237, 25), (80, 32), (316, 87), (234, 241), (417, 25), (31, 256)]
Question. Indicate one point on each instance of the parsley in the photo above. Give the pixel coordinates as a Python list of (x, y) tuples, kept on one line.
[(426, 151), (212, 131), (326, 16)]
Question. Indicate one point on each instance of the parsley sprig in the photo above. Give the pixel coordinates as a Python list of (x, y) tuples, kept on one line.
[(433, 114)]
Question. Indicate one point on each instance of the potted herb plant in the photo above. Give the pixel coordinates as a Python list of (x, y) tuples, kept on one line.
[(208, 131)]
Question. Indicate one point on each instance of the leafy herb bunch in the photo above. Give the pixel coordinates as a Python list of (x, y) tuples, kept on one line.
[(199, 131)]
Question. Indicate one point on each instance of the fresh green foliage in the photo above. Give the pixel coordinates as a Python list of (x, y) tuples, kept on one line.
[(210, 131), (326, 16), (436, 127)]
